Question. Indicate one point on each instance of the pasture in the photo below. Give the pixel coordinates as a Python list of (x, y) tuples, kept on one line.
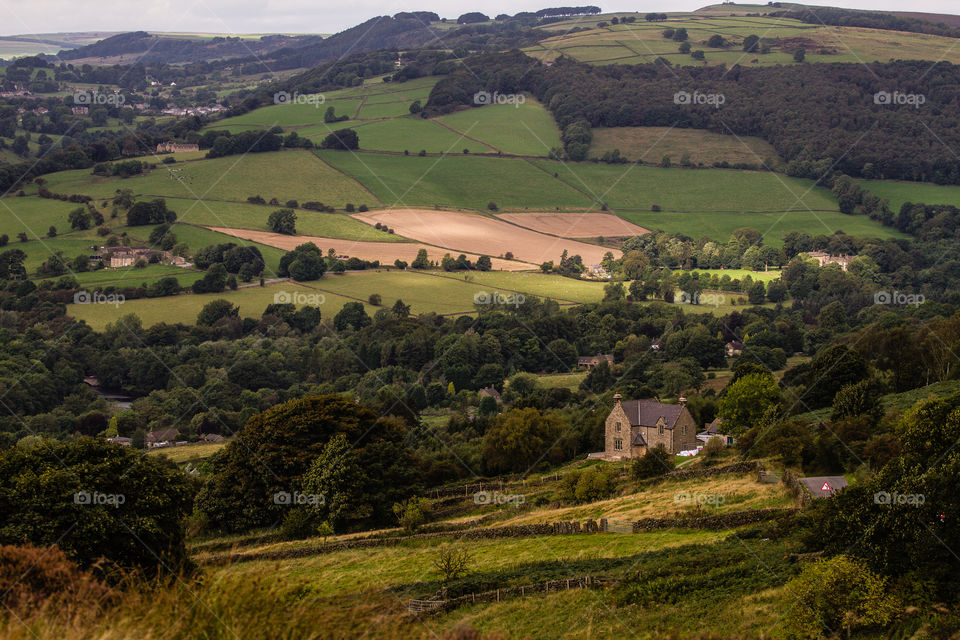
[(898, 192), (522, 129), (651, 144), (34, 216), (458, 181), (412, 134)]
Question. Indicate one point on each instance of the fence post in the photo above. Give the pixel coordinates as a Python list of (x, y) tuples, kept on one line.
[(498, 595)]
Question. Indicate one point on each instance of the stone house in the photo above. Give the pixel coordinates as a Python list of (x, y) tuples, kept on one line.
[(823, 259), (175, 147), (734, 348), (591, 361), (634, 426)]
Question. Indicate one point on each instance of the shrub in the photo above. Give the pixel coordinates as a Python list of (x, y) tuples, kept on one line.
[(839, 593), (656, 463), (452, 562), (298, 524)]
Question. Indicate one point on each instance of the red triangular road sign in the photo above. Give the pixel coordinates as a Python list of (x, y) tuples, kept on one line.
[(826, 487)]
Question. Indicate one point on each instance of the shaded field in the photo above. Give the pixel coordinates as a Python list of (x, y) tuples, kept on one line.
[(638, 188), (772, 226), (458, 181), (651, 144), (482, 235), (385, 252), (900, 192), (523, 129), (190, 453), (575, 225)]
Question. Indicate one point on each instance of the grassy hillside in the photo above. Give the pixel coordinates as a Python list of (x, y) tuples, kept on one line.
[(457, 181), (523, 129), (643, 42), (703, 147), (899, 192)]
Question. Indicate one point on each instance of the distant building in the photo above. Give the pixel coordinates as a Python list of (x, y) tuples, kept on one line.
[(490, 392), (128, 256), (734, 348), (176, 147), (79, 110), (592, 361), (125, 442), (715, 430), (824, 486), (635, 426), (824, 258), (162, 437)]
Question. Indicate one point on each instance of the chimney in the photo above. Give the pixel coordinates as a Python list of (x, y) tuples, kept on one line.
[(616, 399), (683, 400)]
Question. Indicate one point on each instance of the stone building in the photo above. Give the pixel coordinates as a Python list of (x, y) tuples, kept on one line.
[(175, 147), (635, 426)]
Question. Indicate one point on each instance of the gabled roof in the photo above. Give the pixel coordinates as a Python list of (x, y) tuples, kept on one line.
[(647, 413), (638, 440)]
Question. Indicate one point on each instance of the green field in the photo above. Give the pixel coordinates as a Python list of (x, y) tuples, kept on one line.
[(284, 175), (214, 213), (522, 129), (458, 181), (413, 134), (638, 188), (719, 226), (33, 215), (899, 192), (651, 144)]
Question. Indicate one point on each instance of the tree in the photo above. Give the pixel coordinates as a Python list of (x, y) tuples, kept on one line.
[(375, 299), (342, 139), (283, 221), (400, 310), (216, 310), (270, 455), (521, 438), (153, 212), (415, 107), (484, 263), (213, 281), (716, 41), (452, 562), (799, 55), (351, 315), (96, 500), (421, 261), (744, 402), (79, 219), (839, 593), (337, 475), (751, 43), (412, 513)]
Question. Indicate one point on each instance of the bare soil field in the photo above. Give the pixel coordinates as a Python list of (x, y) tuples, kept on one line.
[(575, 225), (482, 235), (385, 252)]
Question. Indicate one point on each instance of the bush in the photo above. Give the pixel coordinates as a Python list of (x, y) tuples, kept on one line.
[(839, 593), (452, 562), (298, 524), (96, 500), (590, 484), (412, 513), (656, 463)]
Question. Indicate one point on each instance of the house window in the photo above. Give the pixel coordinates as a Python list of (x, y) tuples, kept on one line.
[(617, 444), (683, 430), (661, 430), (618, 427)]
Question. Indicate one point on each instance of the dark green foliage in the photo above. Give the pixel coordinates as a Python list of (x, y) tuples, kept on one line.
[(95, 500), (656, 462)]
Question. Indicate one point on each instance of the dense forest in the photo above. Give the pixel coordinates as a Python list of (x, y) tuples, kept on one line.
[(820, 117)]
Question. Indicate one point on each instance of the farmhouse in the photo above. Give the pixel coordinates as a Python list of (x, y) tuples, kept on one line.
[(635, 426), (592, 361), (176, 147), (490, 392), (128, 256), (734, 348), (715, 430), (824, 258)]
